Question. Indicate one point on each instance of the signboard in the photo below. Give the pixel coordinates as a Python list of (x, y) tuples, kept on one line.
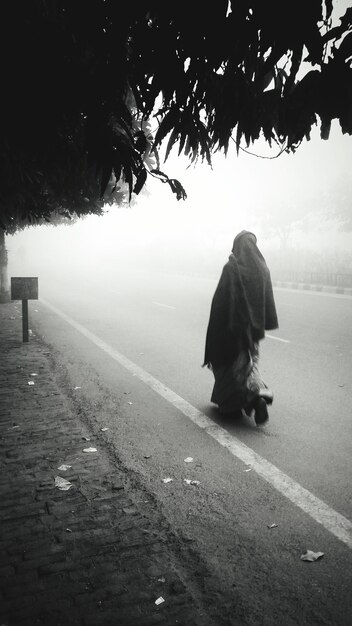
[(24, 288)]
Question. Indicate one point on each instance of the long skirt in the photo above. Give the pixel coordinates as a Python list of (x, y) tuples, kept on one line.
[(238, 385)]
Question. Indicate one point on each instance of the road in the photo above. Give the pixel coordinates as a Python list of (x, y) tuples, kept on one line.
[(158, 323)]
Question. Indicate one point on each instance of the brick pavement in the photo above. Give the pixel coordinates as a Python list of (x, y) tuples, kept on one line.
[(88, 555)]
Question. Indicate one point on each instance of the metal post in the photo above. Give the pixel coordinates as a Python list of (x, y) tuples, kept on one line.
[(25, 319)]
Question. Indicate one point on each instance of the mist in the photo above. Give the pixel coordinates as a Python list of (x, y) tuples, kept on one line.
[(298, 205)]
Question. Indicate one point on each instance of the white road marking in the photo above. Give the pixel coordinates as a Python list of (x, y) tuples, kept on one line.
[(331, 520), (167, 306), (277, 338)]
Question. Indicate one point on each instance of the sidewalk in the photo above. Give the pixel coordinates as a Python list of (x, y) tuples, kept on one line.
[(88, 555)]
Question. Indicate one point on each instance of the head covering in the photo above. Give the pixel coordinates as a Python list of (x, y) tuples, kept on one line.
[(243, 305), (256, 283), (243, 233)]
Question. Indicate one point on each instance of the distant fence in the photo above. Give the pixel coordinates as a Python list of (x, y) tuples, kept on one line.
[(314, 278)]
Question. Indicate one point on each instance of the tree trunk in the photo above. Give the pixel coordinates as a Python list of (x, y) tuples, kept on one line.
[(4, 275)]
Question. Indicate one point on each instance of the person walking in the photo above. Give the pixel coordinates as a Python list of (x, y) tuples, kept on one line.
[(242, 309)]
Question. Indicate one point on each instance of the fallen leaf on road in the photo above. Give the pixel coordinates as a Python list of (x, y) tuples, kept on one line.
[(90, 450), (188, 481), (167, 480), (188, 460), (129, 510), (159, 600), (64, 468), (311, 556), (272, 526), (62, 483)]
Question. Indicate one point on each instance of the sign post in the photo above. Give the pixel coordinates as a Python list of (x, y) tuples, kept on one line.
[(24, 288), (25, 320)]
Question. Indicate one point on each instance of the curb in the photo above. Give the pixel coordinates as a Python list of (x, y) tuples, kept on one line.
[(315, 288)]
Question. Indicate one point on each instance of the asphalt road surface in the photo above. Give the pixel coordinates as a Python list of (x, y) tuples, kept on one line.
[(132, 344)]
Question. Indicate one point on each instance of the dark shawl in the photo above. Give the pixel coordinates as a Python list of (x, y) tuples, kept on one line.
[(243, 304)]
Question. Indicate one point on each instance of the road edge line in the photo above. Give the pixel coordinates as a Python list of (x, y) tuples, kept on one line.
[(336, 523)]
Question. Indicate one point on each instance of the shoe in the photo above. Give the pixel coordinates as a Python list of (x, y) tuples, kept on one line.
[(261, 414)]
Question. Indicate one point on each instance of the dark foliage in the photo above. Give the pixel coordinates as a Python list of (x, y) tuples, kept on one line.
[(80, 80)]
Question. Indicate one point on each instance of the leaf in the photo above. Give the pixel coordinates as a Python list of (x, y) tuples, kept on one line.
[(311, 556), (345, 49), (329, 7), (346, 20), (141, 142), (160, 174), (238, 137), (173, 139), (325, 128), (167, 125), (140, 182), (62, 483), (295, 65), (105, 177), (177, 189), (181, 142), (269, 76), (129, 510), (128, 177), (117, 170)]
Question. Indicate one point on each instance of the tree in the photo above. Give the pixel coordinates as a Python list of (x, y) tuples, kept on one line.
[(57, 218), (82, 79), (4, 280), (338, 202)]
